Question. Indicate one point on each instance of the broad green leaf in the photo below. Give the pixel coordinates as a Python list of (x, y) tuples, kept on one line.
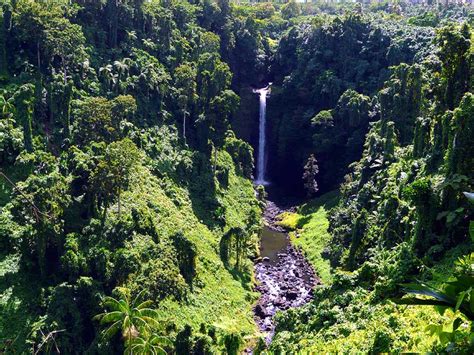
[(441, 215), (459, 300), (111, 317), (450, 217), (457, 322), (413, 301), (422, 289), (145, 304), (112, 330), (469, 195)]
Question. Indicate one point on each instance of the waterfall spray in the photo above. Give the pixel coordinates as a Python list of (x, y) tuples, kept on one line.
[(261, 157)]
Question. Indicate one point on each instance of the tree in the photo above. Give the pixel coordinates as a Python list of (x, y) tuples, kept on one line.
[(401, 99), (459, 158), (291, 9), (185, 81), (93, 121), (222, 107), (454, 45), (40, 202), (59, 99), (114, 171), (11, 137), (65, 40), (98, 119), (109, 79), (311, 169), (131, 317), (23, 99), (213, 76), (234, 241)]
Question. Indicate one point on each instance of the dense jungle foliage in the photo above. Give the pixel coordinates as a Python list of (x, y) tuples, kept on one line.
[(128, 218)]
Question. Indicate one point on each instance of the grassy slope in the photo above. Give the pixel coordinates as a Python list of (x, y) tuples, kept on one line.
[(221, 299), (311, 226)]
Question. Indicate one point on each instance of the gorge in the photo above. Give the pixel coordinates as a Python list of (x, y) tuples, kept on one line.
[(151, 201)]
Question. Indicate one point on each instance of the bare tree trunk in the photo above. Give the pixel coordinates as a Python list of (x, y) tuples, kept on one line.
[(38, 56), (214, 165), (184, 126), (64, 70), (119, 203)]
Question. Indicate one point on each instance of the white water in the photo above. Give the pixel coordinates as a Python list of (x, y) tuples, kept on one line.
[(261, 157)]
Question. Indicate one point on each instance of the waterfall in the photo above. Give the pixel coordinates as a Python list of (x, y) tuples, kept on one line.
[(261, 157)]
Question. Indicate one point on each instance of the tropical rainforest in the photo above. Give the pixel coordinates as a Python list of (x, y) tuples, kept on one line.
[(130, 221)]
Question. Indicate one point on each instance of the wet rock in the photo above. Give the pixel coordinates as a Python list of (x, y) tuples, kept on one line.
[(260, 311), (278, 302), (292, 295), (286, 283)]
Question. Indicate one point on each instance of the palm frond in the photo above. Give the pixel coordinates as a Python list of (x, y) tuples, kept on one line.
[(111, 317), (138, 297), (144, 304), (111, 302), (161, 340), (112, 330)]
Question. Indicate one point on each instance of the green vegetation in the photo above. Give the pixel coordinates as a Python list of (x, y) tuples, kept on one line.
[(402, 216), (310, 233), (119, 171), (127, 135)]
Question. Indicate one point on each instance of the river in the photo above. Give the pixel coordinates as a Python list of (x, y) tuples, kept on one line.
[(285, 278)]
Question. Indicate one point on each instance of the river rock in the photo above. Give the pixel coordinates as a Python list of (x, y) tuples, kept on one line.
[(292, 295), (260, 311), (285, 283)]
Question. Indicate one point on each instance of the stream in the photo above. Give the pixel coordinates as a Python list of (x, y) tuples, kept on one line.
[(285, 278)]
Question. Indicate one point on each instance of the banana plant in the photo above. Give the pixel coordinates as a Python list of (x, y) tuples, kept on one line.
[(148, 345), (130, 317)]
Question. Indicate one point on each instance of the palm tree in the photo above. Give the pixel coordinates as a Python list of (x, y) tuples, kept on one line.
[(6, 106), (108, 76), (131, 318), (122, 68), (151, 345)]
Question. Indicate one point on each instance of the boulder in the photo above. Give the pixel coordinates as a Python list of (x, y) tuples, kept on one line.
[(260, 311), (292, 295)]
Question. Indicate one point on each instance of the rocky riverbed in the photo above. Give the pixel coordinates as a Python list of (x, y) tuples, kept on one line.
[(285, 278)]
